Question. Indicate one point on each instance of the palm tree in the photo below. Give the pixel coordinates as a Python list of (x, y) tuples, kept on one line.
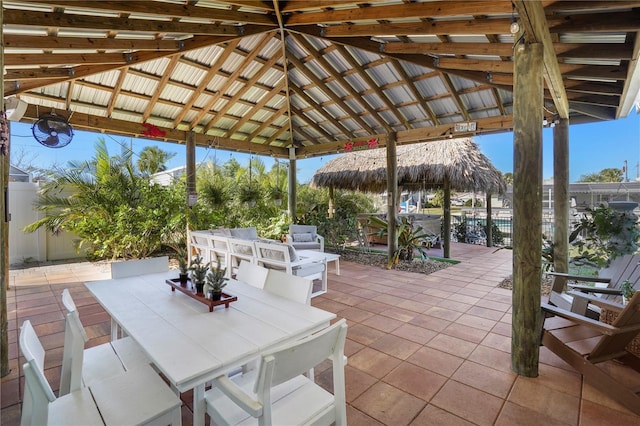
[(110, 207), (152, 160)]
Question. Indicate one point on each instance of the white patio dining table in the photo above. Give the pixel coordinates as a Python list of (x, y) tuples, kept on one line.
[(191, 345)]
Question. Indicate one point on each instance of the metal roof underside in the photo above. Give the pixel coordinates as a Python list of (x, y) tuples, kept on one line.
[(263, 76)]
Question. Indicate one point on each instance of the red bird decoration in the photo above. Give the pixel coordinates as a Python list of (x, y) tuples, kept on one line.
[(153, 131)]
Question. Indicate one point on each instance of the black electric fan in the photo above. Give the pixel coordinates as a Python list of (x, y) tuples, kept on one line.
[(52, 131)]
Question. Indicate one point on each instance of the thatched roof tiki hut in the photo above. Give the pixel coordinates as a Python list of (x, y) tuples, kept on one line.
[(451, 164)]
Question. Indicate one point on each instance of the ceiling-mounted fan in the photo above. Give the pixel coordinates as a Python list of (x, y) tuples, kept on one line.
[(52, 131)]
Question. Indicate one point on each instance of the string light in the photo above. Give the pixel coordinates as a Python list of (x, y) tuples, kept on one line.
[(515, 27)]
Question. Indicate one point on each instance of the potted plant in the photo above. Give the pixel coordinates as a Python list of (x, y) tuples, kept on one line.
[(199, 273), (216, 280), (183, 265), (627, 291), (249, 194), (276, 194)]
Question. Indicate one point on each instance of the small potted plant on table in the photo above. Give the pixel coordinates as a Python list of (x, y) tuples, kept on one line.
[(183, 266), (216, 280), (199, 273)]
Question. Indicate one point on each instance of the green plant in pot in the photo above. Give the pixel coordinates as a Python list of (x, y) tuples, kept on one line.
[(627, 290), (216, 280), (199, 273), (183, 265), (250, 194)]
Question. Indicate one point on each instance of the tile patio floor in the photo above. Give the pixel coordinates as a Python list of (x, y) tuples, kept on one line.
[(423, 349)]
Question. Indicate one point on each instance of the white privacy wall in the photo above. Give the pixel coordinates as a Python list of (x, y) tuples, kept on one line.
[(38, 245)]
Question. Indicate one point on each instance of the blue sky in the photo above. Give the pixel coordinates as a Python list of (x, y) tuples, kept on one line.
[(592, 147)]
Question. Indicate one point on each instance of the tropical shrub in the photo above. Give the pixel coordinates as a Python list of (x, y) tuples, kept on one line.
[(115, 211), (603, 234), (410, 239)]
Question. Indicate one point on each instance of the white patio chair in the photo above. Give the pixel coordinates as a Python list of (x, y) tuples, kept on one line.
[(283, 257), (291, 287), (39, 404), (252, 274), (305, 237), (82, 366), (134, 398), (278, 393)]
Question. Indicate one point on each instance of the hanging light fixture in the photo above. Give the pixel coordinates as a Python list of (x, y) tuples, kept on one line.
[(515, 27)]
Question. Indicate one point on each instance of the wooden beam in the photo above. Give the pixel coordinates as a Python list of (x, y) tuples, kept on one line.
[(536, 31), (65, 20), (134, 129), (340, 102), (462, 27), (632, 83), (248, 84), (277, 90), (328, 68), (488, 49), (402, 11), (13, 41), (167, 10)]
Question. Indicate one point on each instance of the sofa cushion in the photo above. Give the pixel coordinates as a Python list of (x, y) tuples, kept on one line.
[(302, 229), (277, 254), (306, 237), (307, 246), (244, 233)]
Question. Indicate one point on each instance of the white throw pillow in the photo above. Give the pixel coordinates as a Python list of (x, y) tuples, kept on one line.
[(303, 238)]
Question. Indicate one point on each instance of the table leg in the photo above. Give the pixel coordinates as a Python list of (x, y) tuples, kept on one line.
[(337, 266), (199, 406)]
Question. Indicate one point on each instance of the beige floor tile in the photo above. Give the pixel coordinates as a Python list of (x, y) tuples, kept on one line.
[(373, 362), (396, 346), (436, 361), (415, 380), (389, 405), (484, 378), (468, 403)]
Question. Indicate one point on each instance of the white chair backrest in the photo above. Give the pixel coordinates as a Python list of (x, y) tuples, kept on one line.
[(297, 358), (73, 354), (289, 286), (37, 391), (242, 247), (252, 274), (277, 251), (131, 268)]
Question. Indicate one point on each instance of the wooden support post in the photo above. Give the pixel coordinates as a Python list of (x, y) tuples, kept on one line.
[(561, 196), (392, 195), (489, 222), (332, 206), (446, 217), (293, 194), (191, 196), (527, 208), (4, 231)]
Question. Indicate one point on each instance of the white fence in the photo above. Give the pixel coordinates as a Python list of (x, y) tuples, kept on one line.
[(39, 245)]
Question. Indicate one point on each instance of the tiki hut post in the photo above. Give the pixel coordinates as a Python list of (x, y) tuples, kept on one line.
[(561, 196), (331, 203), (489, 222), (527, 208), (392, 195), (446, 218)]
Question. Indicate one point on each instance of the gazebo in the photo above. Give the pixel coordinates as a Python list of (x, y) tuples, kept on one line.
[(450, 164)]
